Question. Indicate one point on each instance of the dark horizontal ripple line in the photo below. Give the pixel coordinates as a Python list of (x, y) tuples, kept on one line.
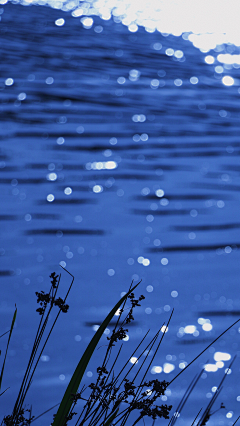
[(167, 212), (65, 232), (6, 273), (205, 227), (220, 313), (222, 186), (191, 248), (181, 197), (193, 341), (68, 201)]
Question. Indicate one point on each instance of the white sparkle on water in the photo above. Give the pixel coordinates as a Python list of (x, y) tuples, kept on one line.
[(52, 176), (97, 189), (168, 368), (49, 80), (133, 360), (156, 370), (22, 96), (101, 165), (68, 190), (189, 329), (50, 197), (9, 82), (227, 80), (87, 22), (221, 356), (60, 22)]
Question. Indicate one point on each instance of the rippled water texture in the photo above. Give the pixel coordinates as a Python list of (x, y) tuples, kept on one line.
[(119, 161)]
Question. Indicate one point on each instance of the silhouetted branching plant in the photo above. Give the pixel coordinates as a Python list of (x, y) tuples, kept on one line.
[(113, 390), (110, 391)]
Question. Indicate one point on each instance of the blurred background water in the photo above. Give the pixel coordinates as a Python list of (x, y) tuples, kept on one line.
[(120, 161)]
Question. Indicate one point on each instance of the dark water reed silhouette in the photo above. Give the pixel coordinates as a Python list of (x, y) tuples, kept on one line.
[(116, 165)]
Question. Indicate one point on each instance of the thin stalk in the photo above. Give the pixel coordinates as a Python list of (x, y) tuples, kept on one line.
[(196, 417), (204, 351), (18, 404), (206, 415), (84, 408), (45, 412), (236, 421), (107, 357), (130, 358), (186, 396), (216, 394), (20, 399), (127, 414), (48, 337), (104, 364), (104, 397), (109, 348), (157, 347)]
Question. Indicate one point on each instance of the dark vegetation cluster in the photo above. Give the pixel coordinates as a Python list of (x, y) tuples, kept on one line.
[(113, 399)]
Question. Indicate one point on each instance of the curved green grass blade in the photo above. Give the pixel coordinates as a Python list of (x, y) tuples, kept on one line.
[(74, 383), (9, 337), (110, 420)]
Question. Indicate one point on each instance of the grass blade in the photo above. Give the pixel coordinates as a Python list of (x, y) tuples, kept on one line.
[(110, 420), (66, 403), (11, 329)]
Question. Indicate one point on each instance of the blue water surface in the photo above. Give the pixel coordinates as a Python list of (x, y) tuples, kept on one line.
[(119, 161)]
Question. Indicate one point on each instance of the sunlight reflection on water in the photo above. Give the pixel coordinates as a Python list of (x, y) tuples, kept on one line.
[(207, 24)]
